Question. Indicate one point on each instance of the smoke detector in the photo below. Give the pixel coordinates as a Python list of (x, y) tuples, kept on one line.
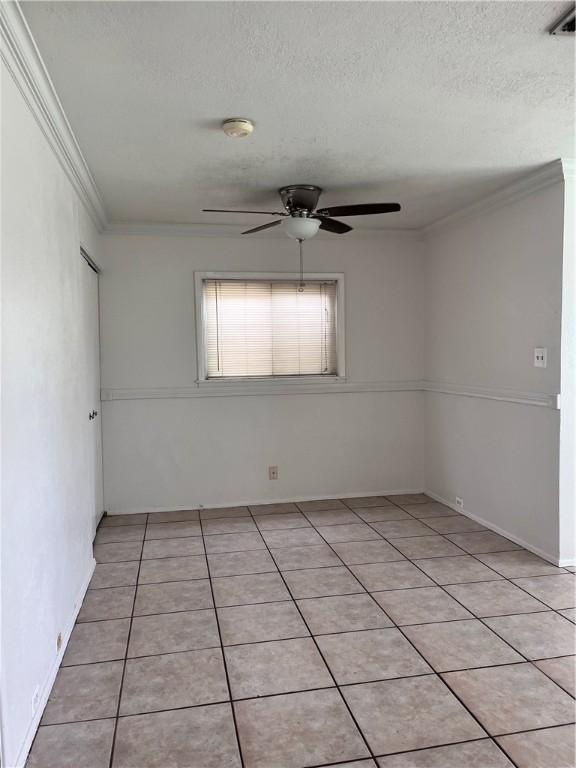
[(237, 127), (565, 24)]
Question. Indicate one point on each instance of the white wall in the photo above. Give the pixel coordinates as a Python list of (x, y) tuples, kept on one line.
[(493, 293), (46, 504), (184, 451)]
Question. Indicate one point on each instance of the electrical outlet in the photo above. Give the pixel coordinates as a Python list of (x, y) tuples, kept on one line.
[(59, 641), (273, 473), (35, 699), (459, 502), (540, 357)]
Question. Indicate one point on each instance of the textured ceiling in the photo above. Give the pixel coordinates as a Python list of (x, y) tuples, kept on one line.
[(432, 104)]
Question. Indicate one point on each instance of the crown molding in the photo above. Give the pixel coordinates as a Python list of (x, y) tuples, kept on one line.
[(541, 178), (22, 59), (152, 229)]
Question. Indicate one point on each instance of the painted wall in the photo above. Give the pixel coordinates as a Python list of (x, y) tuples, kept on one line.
[(493, 293), (184, 451), (46, 505)]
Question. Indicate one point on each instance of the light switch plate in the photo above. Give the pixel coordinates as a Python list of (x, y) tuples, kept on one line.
[(540, 357)]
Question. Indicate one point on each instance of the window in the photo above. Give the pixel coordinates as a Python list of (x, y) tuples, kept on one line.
[(268, 327)]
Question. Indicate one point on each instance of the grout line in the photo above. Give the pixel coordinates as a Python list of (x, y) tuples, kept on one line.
[(126, 652), (295, 602), (229, 687)]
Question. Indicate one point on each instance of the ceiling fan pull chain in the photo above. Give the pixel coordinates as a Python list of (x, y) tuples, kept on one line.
[(301, 247)]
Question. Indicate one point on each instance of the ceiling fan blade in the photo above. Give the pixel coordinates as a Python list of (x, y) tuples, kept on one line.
[(359, 210), (263, 226), (332, 225), (225, 210)]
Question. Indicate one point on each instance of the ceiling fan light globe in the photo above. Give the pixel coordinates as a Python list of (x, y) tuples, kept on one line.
[(300, 227)]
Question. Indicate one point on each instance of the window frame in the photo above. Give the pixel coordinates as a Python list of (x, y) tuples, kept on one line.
[(273, 381)]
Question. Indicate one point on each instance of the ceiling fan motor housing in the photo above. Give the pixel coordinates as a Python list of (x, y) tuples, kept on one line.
[(300, 198)]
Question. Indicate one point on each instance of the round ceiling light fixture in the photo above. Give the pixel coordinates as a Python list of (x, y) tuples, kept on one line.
[(301, 227), (237, 127)]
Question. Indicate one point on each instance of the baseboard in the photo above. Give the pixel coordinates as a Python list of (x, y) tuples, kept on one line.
[(256, 502), (502, 531), (51, 676)]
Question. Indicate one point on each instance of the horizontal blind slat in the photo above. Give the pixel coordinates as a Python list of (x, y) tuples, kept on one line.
[(269, 328)]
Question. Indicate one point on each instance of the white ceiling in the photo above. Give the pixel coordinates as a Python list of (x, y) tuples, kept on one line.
[(431, 104)]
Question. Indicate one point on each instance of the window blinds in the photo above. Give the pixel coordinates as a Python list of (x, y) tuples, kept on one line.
[(269, 328)]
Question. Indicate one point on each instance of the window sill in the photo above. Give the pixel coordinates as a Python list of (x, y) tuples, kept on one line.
[(281, 384)]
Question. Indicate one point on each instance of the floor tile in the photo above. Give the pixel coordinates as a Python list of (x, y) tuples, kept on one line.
[(73, 745), (320, 505), (343, 613), (175, 516), (97, 641), (173, 530), (114, 603), (571, 568), (569, 613), (482, 542), (363, 502), (228, 525), (494, 598), (375, 654), (356, 764), (333, 517), (427, 546), (87, 692), (460, 645), (430, 509), (210, 513), (273, 509), (454, 524), (548, 748), (297, 729), (457, 570), (233, 542), (420, 606), (114, 575), (114, 520), (256, 623), (296, 558), (537, 635), (409, 498), (120, 533), (359, 552), (378, 576), (242, 590), (382, 514), (515, 565), (281, 522), (473, 754), (395, 529), (172, 681), (238, 563), (173, 569), (510, 699), (411, 713), (172, 632), (562, 671), (294, 537), (173, 596), (556, 591), (321, 582), (201, 737), (339, 533), (118, 552), (184, 547), (280, 666)]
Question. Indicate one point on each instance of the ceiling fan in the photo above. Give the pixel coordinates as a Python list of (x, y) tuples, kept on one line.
[(302, 219)]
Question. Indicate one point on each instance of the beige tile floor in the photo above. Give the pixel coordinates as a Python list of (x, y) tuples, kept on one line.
[(387, 632)]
